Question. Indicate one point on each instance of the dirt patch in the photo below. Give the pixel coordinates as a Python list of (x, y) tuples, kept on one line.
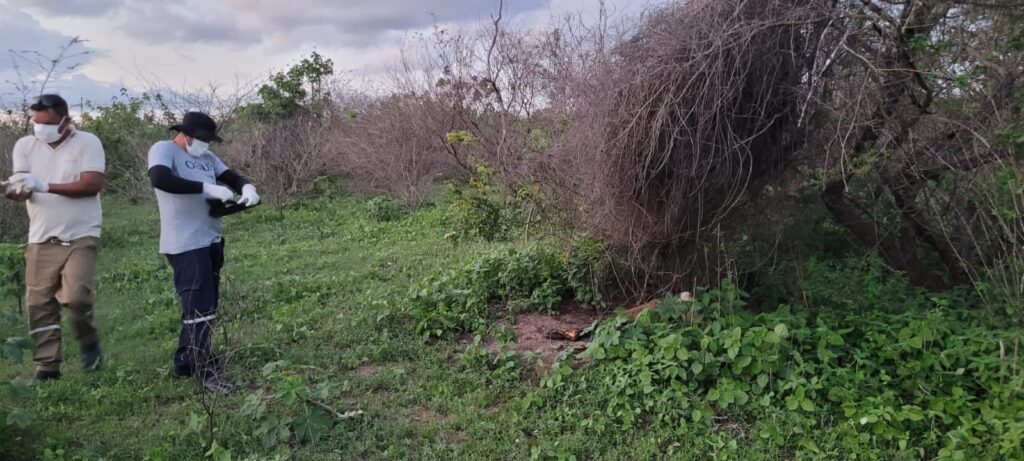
[(367, 370), (533, 330), (422, 415)]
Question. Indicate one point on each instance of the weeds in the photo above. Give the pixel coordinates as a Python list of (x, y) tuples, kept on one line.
[(927, 381), (861, 366), (12, 277), (289, 409), (482, 210), (529, 279), (384, 209)]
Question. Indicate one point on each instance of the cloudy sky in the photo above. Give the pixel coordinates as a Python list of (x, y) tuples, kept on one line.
[(186, 44)]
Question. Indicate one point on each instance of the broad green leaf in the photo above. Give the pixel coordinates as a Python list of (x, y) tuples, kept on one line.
[(19, 417), (312, 425), (21, 389)]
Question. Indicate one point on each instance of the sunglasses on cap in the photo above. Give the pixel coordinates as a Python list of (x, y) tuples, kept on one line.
[(48, 101)]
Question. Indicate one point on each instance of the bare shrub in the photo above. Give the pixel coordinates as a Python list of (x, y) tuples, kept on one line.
[(392, 148), (488, 82), (285, 157), (893, 110), (678, 120)]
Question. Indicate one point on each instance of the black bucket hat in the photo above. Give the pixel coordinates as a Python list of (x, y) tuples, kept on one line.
[(200, 126)]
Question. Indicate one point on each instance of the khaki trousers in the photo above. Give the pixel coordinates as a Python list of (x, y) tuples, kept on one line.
[(60, 275)]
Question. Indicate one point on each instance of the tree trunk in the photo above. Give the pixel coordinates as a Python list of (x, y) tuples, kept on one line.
[(898, 250)]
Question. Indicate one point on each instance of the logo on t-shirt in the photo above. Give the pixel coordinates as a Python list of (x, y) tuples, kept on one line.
[(202, 166)]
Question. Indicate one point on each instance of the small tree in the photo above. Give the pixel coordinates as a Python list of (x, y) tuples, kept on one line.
[(303, 86)]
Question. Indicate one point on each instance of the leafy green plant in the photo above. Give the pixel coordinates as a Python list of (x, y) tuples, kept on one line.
[(291, 409), (481, 210), (127, 127), (303, 85), (585, 273), (530, 279), (499, 366), (14, 350), (460, 137), (922, 381), (384, 209), (12, 276)]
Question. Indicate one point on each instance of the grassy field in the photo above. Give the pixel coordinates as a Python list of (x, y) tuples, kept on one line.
[(319, 285), (322, 290)]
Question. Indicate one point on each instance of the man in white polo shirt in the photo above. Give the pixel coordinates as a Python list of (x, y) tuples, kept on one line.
[(58, 172)]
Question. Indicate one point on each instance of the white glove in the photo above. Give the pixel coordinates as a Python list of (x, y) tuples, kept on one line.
[(218, 192), (249, 196), (13, 188), (27, 181)]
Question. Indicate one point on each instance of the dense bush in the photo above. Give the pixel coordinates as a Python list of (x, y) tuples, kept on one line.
[(535, 279), (13, 218), (924, 383), (14, 349), (127, 129), (482, 210), (384, 209)]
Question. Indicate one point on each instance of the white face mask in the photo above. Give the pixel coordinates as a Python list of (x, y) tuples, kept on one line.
[(47, 133), (197, 147)]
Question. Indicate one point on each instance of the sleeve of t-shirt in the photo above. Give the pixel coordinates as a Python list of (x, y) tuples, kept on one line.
[(159, 156), (218, 166), (93, 159), (19, 158)]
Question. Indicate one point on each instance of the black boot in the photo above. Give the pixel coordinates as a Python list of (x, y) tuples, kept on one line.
[(42, 375), (181, 372), (217, 382), (91, 357)]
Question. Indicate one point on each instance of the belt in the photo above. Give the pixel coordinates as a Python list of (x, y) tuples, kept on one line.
[(57, 241)]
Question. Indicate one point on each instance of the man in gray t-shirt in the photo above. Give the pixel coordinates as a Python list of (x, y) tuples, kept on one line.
[(185, 175), (185, 221)]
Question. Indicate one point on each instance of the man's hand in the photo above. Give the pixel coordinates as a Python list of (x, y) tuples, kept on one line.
[(218, 192), (30, 182), (249, 196), (16, 192)]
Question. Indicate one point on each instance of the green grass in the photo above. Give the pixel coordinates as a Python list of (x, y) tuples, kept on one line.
[(323, 284), (317, 284)]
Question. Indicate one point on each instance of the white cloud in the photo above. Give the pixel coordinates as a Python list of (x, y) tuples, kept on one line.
[(67, 7), (280, 23), (188, 44), (29, 48), (20, 32)]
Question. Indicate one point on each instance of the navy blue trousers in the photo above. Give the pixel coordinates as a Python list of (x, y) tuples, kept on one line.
[(197, 281)]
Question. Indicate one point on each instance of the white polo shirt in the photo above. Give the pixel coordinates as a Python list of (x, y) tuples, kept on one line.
[(52, 215)]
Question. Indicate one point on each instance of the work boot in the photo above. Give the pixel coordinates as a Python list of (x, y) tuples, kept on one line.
[(43, 375), (217, 383), (91, 357), (181, 372)]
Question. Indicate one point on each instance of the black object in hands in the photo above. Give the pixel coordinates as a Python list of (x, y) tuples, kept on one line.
[(219, 209)]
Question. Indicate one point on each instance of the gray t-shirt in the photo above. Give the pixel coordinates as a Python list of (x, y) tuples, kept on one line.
[(185, 221)]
